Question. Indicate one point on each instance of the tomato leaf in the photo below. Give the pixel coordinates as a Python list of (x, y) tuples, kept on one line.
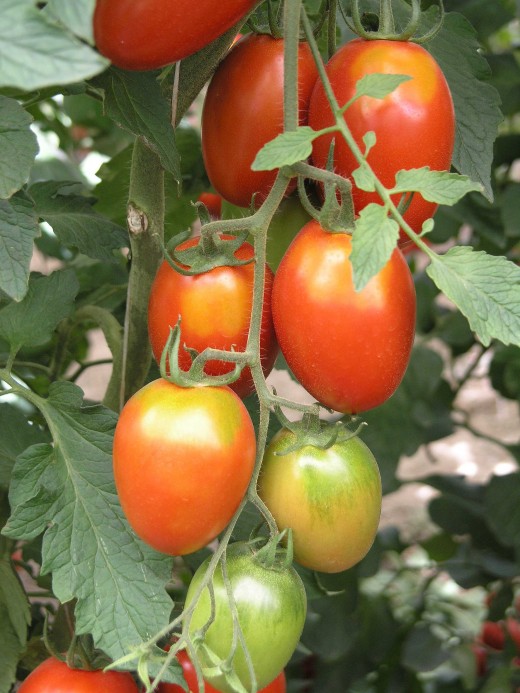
[(15, 617), (18, 146), (373, 241), (66, 491), (477, 103), (16, 434), (502, 505), (377, 85), (485, 288), (436, 186), (75, 222), (128, 96), (35, 52), (363, 176), (285, 149), (18, 229), (48, 301), (76, 16)]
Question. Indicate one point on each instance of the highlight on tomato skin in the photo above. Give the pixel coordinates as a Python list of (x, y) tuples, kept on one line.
[(243, 110), (348, 349), (215, 311), (414, 125), (183, 459), (150, 34)]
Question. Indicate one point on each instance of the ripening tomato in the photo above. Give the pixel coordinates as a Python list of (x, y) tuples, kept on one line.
[(276, 686), (215, 310), (213, 203), (148, 34), (183, 458), (271, 607), (414, 125), (348, 349), (330, 498), (243, 110), (53, 676)]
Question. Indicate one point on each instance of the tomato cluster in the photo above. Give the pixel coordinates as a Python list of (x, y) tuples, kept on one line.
[(184, 456)]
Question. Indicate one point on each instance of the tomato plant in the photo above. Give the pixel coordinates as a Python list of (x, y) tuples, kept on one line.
[(243, 109), (202, 302), (271, 607), (289, 218), (278, 685), (183, 458), (348, 349), (213, 203), (414, 125), (152, 33), (330, 498), (54, 676)]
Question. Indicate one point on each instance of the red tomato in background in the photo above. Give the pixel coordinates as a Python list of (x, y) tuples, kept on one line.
[(213, 203), (148, 34), (216, 312), (183, 458), (243, 109), (348, 349), (414, 125), (53, 676), (276, 686)]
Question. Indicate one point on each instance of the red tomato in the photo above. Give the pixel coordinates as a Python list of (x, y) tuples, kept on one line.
[(53, 676), (513, 628), (276, 686), (492, 634), (183, 458), (213, 203), (216, 311), (243, 110), (148, 34), (348, 349), (414, 125)]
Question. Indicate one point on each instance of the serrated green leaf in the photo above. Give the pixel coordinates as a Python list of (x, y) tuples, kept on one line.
[(67, 492), (76, 16), (18, 146), (378, 85), (435, 186), (35, 53), (373, 242), (128, 100), (18, 229), (16, 434), (364, 179), (15, 618), (286, 149), (76, 223), (48, 301), (485, 288), (477, 103)]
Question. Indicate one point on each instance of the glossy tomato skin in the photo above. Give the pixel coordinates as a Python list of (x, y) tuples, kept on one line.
[(183, 458), (331, 498), (348, 349), (276, 686), (148, 34), (243, 109), (215, 310), (271, 606), (53, 676), (414, 125)]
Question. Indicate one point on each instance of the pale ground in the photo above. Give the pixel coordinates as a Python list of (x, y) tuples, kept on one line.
[(460, 453)]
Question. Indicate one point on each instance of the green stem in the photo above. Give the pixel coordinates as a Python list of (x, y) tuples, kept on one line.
[(386, 17), (145, 219), (331, 28), (292, 10)]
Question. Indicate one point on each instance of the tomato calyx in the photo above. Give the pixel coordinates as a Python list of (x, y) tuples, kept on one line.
[(277, 552), (195, 376), (371, 26), (313, 431), (212, 250)]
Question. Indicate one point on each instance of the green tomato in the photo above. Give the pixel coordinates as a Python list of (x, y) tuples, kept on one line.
[(271, 606), (331, 498)]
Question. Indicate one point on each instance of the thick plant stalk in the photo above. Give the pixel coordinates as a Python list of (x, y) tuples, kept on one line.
[(145, 218)]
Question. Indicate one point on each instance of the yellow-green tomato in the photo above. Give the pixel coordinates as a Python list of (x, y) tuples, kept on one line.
[(331, 498), (271, 606)]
